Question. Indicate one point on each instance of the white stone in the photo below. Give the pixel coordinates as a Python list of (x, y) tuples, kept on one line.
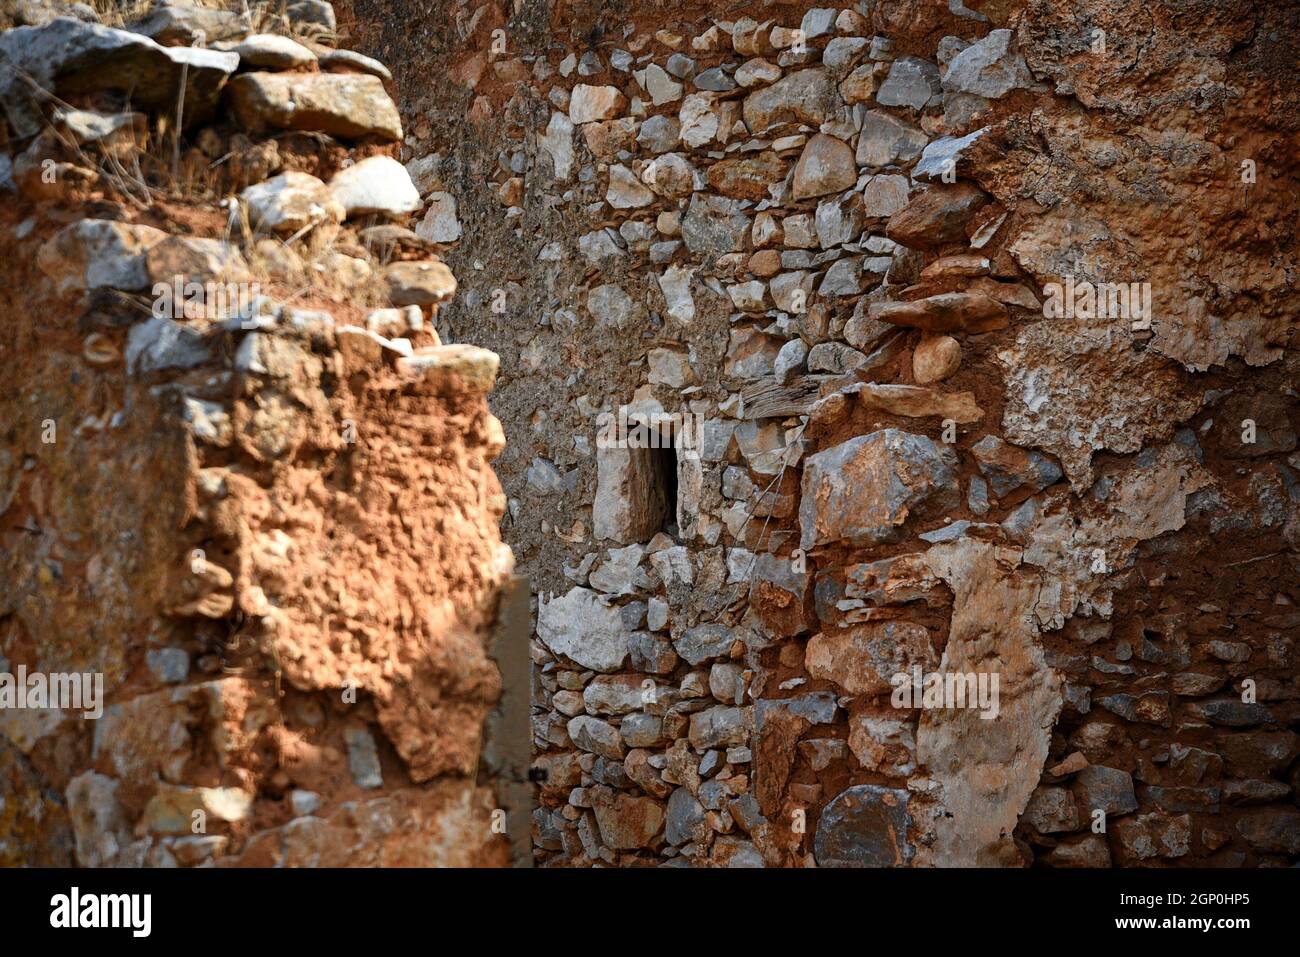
[(582, 628), (587, 104), (378, 184), (625, 191), (440, 223), (557, 142), (675, 284)]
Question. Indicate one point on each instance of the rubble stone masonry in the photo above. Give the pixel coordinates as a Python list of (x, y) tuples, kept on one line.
[(895, 419), (986, 312)]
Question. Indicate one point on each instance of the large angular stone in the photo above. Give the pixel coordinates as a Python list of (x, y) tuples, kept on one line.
[(911, 82), (291, 201), (714, 225), (704, 643), (720, 727), (936, 216), (747, 177), (864, 826), (69, 57), (584, 629), (883, 744), (1051, 810), (865, 659), (587, 104), (614, 694), (914, 401), (685, 816), (946, 312), (596, 736), (779, 593), (808, 96), (991, 67), (1100, 788), (628, 823), (864, 490), (1147, 836), (1075, 389), (419, 282), (349, 105), (99, 254), (1275, 830), (825, 166), (886, 140), (1008, 467), (378, 184), (181, 24), (630, 503), (943, 156)]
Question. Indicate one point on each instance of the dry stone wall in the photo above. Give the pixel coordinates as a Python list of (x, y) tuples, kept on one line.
[(976, 322), (242, 482)]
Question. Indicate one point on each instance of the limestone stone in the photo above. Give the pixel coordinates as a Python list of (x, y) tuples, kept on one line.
[(629, 823), (270, 51), (886, 140), (865, 825), (701, 119), (1008, 468), (1051, 810), (675, 285), (625, 190), (911, 82), (671, 175), (1147, 836), (290, 202), (884, 195), (944, 156), (747, 177), (378, 184), (864, 490), (990, 67), (588, 104), (936, 216), (685, 816), (917, 401), (825, 166), (557, 143), (581, 627), (714, 225), (419, 283), (946, 312), (1273, 830), (883, 744), (98, 254), (1106, 789), (659, 134), (68, 56), (348, 105), (629, 505), (720, 726), (864, 659), (440, 223), (839, 220), (704, 643), (805, 96), (596, 736)]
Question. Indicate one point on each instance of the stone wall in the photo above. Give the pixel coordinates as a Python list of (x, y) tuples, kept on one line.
[(241, 479), (850, 245)]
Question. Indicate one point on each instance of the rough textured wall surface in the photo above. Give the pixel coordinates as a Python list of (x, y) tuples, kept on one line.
[(261, 510), (882, 256)]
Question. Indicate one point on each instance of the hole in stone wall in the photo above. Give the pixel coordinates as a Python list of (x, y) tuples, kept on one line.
[(664, 472)]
